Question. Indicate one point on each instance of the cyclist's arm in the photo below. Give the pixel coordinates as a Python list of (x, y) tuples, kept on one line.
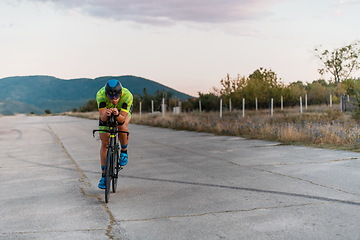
[(104, 113), (124, 110), (122, 116)]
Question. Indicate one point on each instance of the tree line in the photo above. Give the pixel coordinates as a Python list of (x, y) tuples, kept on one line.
[(263, 85)]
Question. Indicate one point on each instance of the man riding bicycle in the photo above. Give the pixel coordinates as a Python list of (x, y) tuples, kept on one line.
[(117, 100)]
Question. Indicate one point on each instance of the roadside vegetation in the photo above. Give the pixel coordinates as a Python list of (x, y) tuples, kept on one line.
[(317, 127), (330, 118)]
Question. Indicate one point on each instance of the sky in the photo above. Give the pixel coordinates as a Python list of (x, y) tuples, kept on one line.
[(188, 45)]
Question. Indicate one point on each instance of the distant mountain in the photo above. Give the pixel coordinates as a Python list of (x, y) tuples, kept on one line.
[(38, 93)]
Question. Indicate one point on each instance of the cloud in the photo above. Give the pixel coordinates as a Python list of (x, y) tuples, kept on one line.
[(165, 12)]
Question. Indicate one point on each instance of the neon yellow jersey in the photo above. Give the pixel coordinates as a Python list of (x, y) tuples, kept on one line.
[(124, 104)]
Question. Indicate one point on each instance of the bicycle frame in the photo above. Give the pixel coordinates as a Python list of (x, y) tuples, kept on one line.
[(112, 156)]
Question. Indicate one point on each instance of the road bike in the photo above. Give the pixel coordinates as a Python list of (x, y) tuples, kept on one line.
[(112, 167)]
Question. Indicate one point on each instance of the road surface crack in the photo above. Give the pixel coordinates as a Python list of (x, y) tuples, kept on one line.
[(218, 212), (84, 179), (51, 231), (308, 181)]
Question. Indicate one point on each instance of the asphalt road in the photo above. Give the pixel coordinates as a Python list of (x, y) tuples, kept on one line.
[(177, 185)]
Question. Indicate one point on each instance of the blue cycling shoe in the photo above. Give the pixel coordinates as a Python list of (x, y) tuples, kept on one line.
[(102, 183), (123, 159)]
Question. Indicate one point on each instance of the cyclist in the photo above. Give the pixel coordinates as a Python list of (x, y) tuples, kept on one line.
[(117, 100)]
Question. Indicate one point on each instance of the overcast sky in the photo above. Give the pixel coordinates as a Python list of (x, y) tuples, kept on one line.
[(189, 45)]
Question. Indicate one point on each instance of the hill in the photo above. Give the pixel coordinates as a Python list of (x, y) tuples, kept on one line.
[(37, 93)]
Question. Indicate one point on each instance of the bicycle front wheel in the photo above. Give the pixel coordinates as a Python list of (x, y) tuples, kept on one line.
[(115, 167), (108, 173)]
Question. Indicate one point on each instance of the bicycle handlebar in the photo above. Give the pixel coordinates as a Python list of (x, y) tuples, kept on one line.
[(111, 123), (109, 131)]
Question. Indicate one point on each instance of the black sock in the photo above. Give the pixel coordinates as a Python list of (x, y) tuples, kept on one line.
[(124, 151), (103, 175)]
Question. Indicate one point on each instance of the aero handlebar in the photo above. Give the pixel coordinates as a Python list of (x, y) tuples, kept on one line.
[(109, 131)]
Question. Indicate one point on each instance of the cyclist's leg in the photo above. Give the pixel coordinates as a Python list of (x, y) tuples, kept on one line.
[(104, 137), (123, 137), (124, 141)]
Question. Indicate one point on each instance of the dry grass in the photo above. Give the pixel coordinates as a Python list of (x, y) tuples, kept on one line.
[(90, 115), (317, 126), (329, 129)]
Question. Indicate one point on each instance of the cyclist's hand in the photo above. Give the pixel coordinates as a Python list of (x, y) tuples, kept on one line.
[(108, 112), (115, 111)]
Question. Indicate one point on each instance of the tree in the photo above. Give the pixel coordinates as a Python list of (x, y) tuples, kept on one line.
[(209, 102), (317, 93), (158, 97), (189, 105), (357, 99), (263, 84), (145, 101), (232, 89), (350, 86), (293, 92), (231, 85), (340, 62), (136, 104)]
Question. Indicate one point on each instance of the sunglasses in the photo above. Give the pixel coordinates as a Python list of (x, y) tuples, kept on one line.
[(112, 97)]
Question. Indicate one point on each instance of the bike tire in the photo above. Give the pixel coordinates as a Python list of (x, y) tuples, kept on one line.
[(115, 168), (108, 175)]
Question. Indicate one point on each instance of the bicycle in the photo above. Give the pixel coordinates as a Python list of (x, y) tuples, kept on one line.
[(112, 157)]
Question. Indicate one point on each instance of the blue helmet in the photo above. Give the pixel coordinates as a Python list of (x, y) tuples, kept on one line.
[(113, 88)]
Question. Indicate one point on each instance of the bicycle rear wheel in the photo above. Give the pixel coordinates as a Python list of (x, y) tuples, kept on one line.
[(108, 173)]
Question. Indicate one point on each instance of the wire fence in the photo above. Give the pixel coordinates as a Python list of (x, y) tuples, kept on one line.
[(347, 104)]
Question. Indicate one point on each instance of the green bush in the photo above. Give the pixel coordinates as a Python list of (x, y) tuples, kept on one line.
[(90, 106)]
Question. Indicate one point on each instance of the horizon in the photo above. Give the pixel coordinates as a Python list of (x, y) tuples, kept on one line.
[(169, 86)]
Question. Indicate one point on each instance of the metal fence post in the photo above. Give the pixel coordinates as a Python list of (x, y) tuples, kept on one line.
[(220, 107), (243, 107), (163, 107), (330, 100), (140, 108)]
